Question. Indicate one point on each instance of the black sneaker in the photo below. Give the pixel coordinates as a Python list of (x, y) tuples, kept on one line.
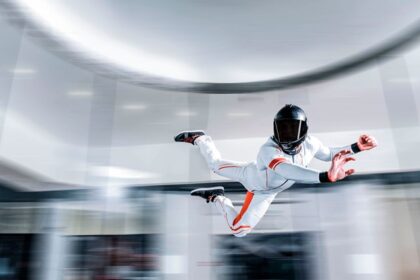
[(189, 136), (209, 194)]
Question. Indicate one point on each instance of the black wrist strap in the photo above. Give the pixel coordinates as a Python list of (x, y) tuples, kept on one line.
[(323, 177), (355, 148)]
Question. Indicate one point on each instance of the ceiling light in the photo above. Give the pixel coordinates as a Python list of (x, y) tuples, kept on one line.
[(239, 114), (134, 107), (186, 114), (403, 80), (22, 71), (80, 93), (120, 173)]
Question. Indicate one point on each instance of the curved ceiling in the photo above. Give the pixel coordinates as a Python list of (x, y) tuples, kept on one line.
[(220, 46)]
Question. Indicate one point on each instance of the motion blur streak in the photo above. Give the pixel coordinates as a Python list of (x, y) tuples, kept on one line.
[(352, 232), (63, 29)]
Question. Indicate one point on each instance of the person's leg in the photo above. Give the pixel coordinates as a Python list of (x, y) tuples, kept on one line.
[(227, 168), (255, 204), (253, 209)]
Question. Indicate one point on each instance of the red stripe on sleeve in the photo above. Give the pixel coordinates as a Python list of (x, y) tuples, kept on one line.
[(276, 162)]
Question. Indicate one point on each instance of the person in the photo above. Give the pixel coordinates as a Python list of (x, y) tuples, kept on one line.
[(281, 162)]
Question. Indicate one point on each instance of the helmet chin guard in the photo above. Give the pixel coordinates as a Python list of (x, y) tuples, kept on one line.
[(290, 128), (291, 149)]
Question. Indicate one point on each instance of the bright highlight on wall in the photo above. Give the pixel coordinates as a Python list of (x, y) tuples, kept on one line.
[(120, 173), (80, 36)]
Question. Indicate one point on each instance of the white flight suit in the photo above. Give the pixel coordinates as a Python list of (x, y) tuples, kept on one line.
[(272, 172)]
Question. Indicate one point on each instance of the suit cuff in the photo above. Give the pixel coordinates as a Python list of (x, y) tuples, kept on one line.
[(355, 148), (323, 177)]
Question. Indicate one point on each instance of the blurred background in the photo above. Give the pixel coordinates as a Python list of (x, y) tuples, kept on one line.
[(92, 185)]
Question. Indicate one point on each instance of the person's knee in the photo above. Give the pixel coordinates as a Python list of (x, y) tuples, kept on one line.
[(215, 166)]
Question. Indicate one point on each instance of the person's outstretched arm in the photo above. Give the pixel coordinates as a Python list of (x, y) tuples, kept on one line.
[(364, 143), (301, 174)]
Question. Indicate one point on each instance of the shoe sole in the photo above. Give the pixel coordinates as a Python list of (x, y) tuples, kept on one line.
[(207, 189), (188, 131)]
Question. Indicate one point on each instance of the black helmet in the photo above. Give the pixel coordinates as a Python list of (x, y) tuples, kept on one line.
[(290, 128)]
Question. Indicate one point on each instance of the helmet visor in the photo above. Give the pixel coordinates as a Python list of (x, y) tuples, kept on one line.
[(290, 130)]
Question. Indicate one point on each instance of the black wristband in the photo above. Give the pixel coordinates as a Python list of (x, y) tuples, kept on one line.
[(355, 148), (323, 177)]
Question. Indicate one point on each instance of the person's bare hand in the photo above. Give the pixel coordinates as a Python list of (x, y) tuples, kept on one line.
[(337, 171), (366, 142)]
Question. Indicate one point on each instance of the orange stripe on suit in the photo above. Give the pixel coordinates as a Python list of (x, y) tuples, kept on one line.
[(227, 166), (276, 162), (247, 202)]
